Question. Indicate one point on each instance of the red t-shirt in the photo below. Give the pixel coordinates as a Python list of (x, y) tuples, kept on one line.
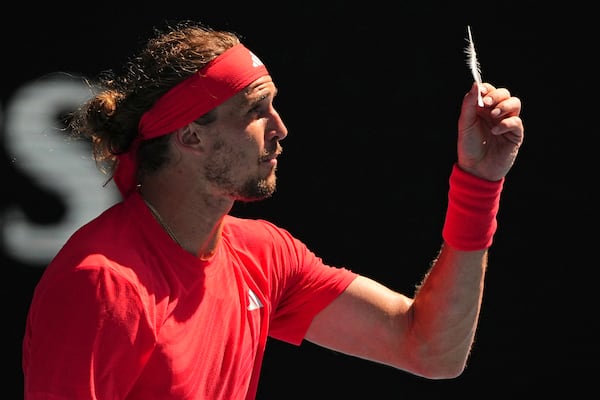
[(122, 312)]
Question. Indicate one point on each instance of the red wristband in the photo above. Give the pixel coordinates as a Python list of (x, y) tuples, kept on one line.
[(472, 208)]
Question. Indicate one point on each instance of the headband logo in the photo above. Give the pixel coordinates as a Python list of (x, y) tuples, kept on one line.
[(255, 60)]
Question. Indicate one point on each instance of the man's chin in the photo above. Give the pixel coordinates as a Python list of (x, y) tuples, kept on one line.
[(262, 191), (253, 199)]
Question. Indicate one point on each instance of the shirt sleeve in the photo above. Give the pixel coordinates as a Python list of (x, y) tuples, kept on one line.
[(304, 286)]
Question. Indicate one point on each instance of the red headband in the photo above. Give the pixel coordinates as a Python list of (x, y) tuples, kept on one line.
[(219, 80)]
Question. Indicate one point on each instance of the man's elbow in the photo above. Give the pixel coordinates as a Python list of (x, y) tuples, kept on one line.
[(439, 368)]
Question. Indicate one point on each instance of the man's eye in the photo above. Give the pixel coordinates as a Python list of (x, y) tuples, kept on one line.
[(257, 109)]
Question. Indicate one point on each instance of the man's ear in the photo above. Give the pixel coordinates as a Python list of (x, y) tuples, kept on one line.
[(189, 136)]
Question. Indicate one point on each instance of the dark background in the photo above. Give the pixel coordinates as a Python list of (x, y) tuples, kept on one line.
[(370, 94)]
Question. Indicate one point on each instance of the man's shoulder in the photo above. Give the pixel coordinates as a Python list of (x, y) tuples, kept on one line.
[(234, 223), (250, 229)]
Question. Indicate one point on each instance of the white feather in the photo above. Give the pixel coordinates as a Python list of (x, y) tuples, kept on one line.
[(473, 64)]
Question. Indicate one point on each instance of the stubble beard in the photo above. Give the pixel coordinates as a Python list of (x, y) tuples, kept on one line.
[(253, 189), (257, 189)]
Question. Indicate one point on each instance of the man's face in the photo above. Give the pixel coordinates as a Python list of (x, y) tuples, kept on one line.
[(243, 143)]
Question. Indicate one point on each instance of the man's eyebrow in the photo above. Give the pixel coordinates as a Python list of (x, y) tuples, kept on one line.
[(255, 98)]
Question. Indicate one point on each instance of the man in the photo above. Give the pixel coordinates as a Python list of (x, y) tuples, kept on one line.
[(166, 295)]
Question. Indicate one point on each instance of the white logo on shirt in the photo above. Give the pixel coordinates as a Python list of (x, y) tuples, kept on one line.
[(254, 302)]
